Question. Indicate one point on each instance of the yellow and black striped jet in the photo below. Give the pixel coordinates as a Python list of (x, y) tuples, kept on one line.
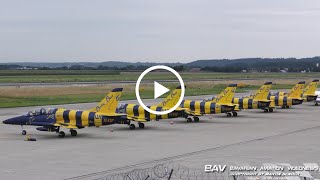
[(308, 93), (221, 104), (52, 119), (294, 97), (136, 113), (257, 101)]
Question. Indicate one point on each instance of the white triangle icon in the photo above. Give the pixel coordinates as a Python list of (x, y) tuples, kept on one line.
[(159, 89)]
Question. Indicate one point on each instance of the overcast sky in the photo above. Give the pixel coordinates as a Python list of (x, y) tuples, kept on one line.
[(158, 31)]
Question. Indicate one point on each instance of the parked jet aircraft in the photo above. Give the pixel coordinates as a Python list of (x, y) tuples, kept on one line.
[(137, 113), (309, 92), (221, 104), (294, 97), (262, 94), (52, 119), (257, 101)]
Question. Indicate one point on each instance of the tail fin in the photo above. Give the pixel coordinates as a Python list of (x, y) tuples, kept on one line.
[(297, 90), (172, 98), (109, 103), (312, 87), (226, 95), (263, 92)]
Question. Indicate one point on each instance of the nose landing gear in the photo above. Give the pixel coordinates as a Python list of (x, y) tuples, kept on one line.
[(23, 132)]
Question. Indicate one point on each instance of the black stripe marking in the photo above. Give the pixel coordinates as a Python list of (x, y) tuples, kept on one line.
[(202, 107), (66, 116), (146, 115), (250, 104), (285, 101), (136, 110), (276, 100), (192, 105), (78, 118), (240, 103), (91, 118), (213, 108)]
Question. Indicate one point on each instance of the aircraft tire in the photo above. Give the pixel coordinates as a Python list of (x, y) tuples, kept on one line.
[(189, 120), (23, 132), (316, 104), (266, 110), (229, 114), (235, 114), (141, 125), (196, 119), (62, 134), (132, 126), (270, 110), (287, 107), (73, 132)]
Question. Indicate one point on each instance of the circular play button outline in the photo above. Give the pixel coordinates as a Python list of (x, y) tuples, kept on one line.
[(181, 84)]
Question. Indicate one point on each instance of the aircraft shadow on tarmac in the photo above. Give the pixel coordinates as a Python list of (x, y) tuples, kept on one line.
[(80, 136), (150, 128)]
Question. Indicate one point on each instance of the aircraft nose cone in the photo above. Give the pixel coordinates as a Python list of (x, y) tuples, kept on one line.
[(10, 121), (6, 121)]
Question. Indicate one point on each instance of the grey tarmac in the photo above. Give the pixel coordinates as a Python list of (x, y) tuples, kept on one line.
[(254, 137)]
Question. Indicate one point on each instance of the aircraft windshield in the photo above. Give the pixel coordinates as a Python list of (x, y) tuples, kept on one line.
[(42, 111), (121, 108)]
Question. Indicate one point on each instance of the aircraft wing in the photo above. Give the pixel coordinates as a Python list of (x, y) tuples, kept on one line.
[(137, 119), (193, 113), (112, 114), (228, 104), (66, 125), (178, 109)]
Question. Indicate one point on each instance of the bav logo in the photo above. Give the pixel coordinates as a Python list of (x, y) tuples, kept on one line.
[(214, 168)]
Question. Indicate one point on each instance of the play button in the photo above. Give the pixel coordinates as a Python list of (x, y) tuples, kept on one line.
[(159, 90)]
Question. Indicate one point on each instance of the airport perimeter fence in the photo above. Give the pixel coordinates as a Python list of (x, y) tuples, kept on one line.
[(175, 171), (169, 171)]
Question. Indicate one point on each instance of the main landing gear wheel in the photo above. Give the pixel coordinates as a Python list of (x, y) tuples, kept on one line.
[(270, 110), (23, 132), (196, 119), (189, 120), (73, 132), (62, 134), (266, 110), (132, 126), (316, 104), (141, 125), (235, 114), (229, 114)]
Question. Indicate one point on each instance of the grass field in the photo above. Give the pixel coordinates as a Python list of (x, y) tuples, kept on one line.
[(53, 76), (36, 96), (14, 96)]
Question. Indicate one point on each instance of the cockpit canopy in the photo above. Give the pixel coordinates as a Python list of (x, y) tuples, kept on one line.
[(42, 111), (121, 108)]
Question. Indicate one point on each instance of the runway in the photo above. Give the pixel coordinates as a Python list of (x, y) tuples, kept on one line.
[(254, 137)]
